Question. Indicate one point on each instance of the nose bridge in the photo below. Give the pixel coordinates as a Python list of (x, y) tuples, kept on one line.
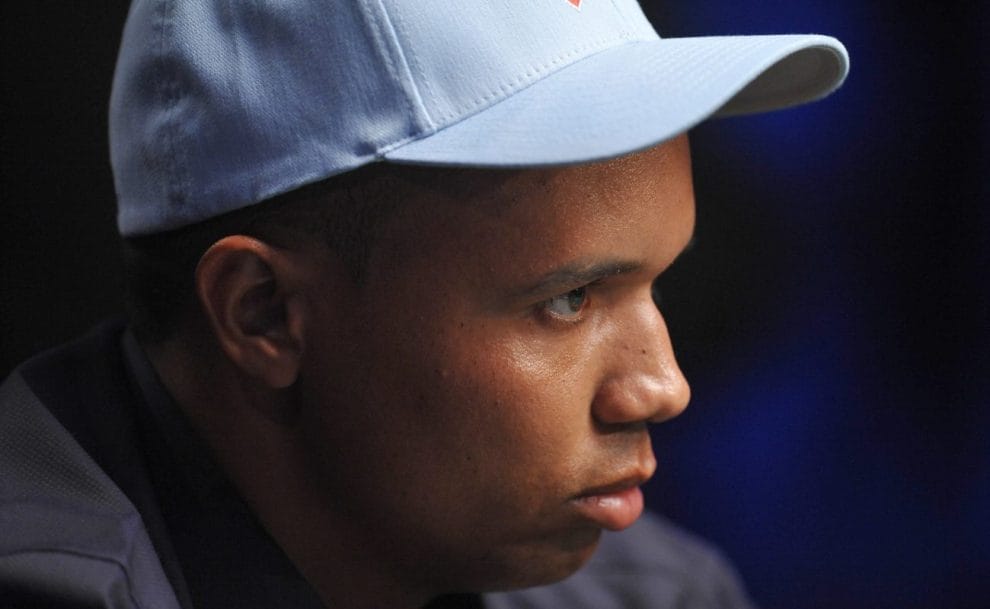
[(643, 381)]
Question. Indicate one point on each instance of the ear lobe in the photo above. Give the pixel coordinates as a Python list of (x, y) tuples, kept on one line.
[(249, 302)]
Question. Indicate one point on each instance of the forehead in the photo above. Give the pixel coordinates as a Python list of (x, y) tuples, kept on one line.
[(538, 217)]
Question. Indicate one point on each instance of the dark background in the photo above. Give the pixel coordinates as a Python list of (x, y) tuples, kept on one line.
[(833, 316)]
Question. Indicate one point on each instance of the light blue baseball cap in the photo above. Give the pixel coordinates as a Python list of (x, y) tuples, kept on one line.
[(217, 105)]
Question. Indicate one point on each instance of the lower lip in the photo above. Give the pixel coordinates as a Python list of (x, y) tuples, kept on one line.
[(612, 511)]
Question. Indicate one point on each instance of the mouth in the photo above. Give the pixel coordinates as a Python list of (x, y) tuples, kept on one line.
[(614, 506)]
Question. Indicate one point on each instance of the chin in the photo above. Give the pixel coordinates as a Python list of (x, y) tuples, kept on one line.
[(535, 565)]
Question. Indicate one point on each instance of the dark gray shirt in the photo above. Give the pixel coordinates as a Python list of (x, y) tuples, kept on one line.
[(108, 499)]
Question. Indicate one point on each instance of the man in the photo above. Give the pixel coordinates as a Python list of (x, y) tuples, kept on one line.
[(393, 341)]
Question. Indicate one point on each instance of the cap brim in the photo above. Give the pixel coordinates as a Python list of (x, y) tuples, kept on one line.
[(635, 96)]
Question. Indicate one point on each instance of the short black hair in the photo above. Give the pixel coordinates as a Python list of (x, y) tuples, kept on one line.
[(344, 211)]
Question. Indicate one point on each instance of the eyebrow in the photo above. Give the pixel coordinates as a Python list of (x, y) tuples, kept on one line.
[(577, 274)]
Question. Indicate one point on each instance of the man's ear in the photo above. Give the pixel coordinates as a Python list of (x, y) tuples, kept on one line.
[(249, 292)]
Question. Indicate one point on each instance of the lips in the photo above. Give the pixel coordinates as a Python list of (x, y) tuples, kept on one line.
[(614, 506)]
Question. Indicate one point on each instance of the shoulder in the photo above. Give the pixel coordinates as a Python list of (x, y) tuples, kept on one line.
[(71, 536), (652, 564)]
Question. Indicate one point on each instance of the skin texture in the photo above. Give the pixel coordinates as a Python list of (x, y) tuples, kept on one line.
[(431, 429)]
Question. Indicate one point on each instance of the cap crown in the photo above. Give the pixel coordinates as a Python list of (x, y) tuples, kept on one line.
[(219, 104)]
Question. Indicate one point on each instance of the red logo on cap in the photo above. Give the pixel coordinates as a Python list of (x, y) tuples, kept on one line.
[(576, 3)]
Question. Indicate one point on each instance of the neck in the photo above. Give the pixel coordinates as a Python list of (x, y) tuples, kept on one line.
[(258, 448)]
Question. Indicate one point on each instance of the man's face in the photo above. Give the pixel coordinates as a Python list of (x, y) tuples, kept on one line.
[(475, 411)]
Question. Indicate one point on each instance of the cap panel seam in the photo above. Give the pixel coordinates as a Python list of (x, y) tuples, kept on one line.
[(169, 89), (382, 30), (527, 78), (622, 14), (463, 115), (412, 62)]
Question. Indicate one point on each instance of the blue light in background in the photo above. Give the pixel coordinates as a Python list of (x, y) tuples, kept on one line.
[(837, 447)]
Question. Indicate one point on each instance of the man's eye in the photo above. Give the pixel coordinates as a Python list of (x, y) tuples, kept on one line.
[(569, 305)]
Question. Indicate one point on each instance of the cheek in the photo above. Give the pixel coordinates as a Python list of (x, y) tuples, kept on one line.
[(495, 400), (433, 394), (520, 409)]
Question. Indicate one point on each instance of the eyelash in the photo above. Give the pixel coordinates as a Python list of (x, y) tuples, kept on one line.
[(576, 299), (583, 292)]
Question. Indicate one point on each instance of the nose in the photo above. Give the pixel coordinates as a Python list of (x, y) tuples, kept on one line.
[(643, 382)]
